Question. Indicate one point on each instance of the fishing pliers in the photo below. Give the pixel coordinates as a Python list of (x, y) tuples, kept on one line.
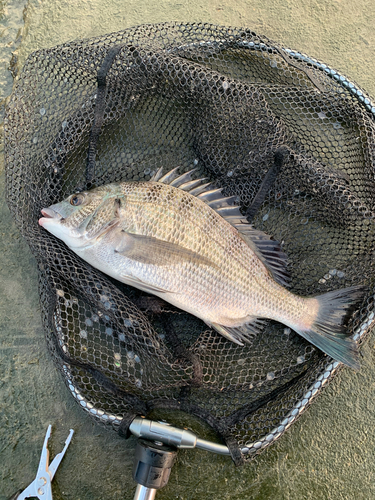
[(41, 486)]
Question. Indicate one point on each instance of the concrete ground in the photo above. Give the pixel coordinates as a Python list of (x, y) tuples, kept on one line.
[(329, 453)]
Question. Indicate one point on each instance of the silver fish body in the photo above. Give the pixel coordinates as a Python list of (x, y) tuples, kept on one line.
[(187, 244)]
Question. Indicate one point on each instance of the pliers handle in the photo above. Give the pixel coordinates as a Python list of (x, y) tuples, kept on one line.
[(41, 486)]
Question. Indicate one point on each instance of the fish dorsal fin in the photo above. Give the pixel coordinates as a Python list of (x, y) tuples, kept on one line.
[(169, 176), (183, 179), (206, 192), (266, 249), (157, 175)]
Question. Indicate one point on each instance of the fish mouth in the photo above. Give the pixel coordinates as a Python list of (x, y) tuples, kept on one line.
[(49, 213)]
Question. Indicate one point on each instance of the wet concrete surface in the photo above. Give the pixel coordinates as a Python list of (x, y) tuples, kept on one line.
[(329, 452)]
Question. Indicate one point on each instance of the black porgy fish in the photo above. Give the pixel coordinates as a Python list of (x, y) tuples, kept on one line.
[(182, 240)]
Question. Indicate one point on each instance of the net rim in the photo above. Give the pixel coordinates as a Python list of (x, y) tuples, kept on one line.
[(331, 368)]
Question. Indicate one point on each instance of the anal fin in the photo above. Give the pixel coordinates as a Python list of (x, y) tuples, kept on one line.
[(240, 334)]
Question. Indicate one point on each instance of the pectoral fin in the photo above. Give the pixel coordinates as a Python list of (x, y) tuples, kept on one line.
[(145, 287), (153, 251)]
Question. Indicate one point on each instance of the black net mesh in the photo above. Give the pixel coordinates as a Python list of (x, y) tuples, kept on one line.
[(120, 106)]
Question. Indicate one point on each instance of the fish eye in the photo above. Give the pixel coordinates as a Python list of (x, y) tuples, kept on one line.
[(77, 199)]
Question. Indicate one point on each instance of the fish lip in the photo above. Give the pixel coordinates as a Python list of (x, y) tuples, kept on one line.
[(49, 213)]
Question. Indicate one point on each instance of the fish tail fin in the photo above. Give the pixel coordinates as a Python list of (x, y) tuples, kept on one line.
[(327, 330)]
